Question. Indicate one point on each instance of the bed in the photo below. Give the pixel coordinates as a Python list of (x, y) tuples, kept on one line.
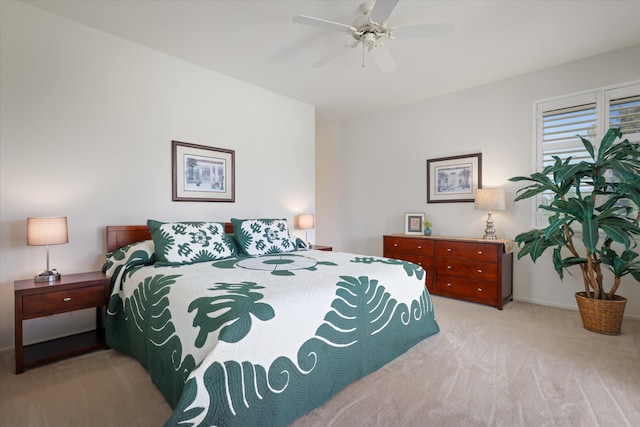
[(256, 338)]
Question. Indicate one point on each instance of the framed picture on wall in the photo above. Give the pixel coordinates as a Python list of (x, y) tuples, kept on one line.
[(202, 174), (454, 179), (414, 223)]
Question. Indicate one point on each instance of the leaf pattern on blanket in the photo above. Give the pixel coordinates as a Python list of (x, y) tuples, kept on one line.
[(231, 312), (362, 307), (357, 299), (151, 294), (409, 267), (124, 260)]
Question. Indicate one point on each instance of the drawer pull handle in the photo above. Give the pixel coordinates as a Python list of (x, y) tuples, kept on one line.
[(479, 252), (395, 245), (449, 284), (448, 249), (67, 299), (479, 289), (448, 267), (479, 270), (419, 247)]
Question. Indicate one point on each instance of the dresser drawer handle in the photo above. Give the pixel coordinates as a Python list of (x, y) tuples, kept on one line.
[(479, 252), (67, 299), (419, 247), (448, 249), (449, 284), (448, 267), (395, 245), (479, 289), (479, 270)]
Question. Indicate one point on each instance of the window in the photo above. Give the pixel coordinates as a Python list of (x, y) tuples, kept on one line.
[(560, 122)]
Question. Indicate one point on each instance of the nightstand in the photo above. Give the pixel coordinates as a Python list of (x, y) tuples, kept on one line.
[(72, 292), (321, 248)]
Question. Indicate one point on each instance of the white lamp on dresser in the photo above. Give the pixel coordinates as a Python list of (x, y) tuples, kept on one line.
[(489, 199)]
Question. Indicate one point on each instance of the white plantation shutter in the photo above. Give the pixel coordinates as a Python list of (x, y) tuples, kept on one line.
[(560, 130), (560, 122), (623, 110)]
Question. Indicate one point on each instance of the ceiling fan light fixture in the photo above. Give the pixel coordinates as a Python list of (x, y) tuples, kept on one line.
[(369, 39), (370, 27)]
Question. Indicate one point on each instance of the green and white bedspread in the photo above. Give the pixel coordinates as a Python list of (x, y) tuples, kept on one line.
[(262, 340)]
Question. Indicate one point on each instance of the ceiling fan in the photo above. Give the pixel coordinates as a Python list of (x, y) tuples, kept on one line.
[(370, 28)]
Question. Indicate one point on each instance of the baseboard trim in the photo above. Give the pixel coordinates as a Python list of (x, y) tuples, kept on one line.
[(567, 307)]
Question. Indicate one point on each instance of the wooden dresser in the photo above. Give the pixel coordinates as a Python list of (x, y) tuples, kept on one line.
[(464, 268)]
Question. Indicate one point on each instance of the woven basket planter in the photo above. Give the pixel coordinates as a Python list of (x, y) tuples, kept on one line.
[(601, 316)]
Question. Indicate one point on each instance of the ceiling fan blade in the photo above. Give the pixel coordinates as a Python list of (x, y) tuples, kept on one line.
[(423, 31), (322, 23), (330, 56), (382, 10), (383, 59)]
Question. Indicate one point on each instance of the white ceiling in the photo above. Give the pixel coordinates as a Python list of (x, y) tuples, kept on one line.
[(257, 42)]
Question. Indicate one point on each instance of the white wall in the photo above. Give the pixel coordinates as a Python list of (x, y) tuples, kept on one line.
[(379, 166), (87, 123)]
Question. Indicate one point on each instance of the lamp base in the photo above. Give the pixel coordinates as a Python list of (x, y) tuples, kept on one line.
[(489, 232), (489, 236), (47, 276)]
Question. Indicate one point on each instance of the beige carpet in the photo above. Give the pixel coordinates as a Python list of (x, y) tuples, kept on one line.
[(527, 365)]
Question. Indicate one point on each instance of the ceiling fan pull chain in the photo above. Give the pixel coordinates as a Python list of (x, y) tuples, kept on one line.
[(362, 55)]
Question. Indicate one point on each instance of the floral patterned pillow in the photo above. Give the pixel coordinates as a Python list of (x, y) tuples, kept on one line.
[(190, 242), (262, 236)]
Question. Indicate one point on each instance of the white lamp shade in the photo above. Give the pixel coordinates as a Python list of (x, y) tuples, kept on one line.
[(489, 199), (305, 221), (47, 231)]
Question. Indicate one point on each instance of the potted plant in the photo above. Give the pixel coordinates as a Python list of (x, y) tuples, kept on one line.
[(593, 230), (427, 228)]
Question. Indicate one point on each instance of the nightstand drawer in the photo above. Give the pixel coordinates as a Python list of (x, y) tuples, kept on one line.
[(63, 301)]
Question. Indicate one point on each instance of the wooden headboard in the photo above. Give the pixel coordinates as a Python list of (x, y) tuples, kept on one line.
[(121, 235)]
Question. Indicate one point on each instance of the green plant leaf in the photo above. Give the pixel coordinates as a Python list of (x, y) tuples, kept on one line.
[(588, 146), (607, 141), (557, 262), (590, 234), (610, 206), (574, 172)]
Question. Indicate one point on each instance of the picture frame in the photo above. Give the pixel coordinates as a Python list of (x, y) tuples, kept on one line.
[(414, 223), (202, 174), (454, 179)]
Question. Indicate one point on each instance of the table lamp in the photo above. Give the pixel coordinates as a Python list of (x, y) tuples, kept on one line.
[(44, 232), (489, 199), (305, 222)]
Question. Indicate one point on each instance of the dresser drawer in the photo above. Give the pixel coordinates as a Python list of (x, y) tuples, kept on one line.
[(469, 269), (423, 261), (465, 250), (416, 246), (63, 301), (460, 286)]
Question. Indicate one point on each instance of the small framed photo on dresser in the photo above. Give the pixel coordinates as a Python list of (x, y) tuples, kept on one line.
[(414, 223)]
